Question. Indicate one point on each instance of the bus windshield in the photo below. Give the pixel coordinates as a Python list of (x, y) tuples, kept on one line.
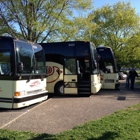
[(108, 57), (39, 59), (31, 56)]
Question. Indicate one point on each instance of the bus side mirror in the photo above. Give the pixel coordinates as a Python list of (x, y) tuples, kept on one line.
[(20, 67)]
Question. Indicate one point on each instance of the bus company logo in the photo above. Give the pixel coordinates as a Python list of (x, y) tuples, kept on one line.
[(53, 70), (50, 70), (35, 84)]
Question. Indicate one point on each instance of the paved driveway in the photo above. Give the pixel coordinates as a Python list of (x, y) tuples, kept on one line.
[(63, 113)]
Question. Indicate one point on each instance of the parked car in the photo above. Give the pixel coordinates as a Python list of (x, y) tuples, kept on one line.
[(122, 75)]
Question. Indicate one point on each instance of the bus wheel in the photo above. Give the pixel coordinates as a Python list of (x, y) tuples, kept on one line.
[(59, 88)]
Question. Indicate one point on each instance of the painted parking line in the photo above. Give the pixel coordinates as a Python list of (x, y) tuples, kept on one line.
[(23, 114)]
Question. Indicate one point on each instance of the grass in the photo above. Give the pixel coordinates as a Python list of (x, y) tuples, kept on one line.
[(122, 125)]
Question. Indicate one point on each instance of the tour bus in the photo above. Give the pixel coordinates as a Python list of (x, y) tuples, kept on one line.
[(109, 76), (22, 73), (72, 68)]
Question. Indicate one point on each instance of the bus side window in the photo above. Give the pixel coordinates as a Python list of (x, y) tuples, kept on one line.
[(5, 69), (70, 66)]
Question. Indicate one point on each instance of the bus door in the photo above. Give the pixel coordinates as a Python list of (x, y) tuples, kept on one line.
[(84, 84), (70, 76)]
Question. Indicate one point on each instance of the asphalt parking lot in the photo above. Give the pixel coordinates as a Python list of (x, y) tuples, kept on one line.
[(58, 114)]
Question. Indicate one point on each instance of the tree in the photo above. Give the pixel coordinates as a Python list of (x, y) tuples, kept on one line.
[(116, 26), (3, 29), (41, 20), (133, 51), (83, 24)]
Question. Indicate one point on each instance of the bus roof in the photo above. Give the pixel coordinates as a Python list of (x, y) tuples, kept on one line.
[(14, 38), (66, 42)]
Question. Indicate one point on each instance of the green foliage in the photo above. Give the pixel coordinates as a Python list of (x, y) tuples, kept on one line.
[(133, 50), (39, 20), (116, 27), (83, 24)]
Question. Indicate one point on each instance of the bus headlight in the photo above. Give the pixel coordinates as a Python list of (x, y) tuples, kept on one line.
[(20, 93)]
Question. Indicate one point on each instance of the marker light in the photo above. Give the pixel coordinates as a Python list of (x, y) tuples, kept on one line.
[(19, 93)]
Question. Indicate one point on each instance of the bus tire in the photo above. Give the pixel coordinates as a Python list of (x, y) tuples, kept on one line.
[(59, 88)]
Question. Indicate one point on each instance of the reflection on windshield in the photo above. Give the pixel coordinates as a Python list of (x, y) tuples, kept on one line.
[(32, 57), (39, 61)]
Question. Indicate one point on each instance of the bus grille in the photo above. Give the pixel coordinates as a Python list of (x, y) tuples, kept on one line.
[(34, 91)]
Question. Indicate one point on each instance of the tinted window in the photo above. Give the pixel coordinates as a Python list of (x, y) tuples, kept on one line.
[(5, 65), (5, 55), (59, 49), (70, 65), (82, 50), (6, 43), (55, 58), (39, 55), (105, 52), (108, 57)]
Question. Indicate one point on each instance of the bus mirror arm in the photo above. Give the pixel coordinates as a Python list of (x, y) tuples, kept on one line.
[(42, 78), (20, 67)]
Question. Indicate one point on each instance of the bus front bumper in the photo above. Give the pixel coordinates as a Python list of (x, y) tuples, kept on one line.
[(95, 88)]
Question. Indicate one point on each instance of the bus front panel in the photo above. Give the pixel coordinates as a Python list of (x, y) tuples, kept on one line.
[(32, 92), (22, 73), (109, 74), (95, 84)]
